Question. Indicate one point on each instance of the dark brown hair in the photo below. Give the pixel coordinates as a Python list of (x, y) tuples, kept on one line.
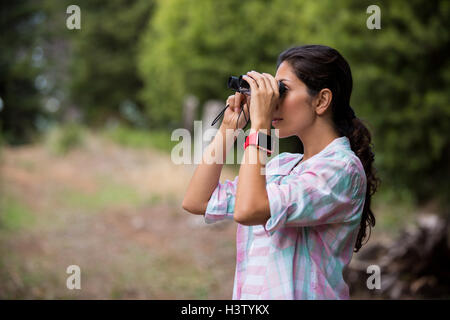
[(322, 67)]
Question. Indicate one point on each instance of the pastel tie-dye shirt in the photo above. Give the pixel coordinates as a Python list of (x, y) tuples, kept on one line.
[(315, 208)]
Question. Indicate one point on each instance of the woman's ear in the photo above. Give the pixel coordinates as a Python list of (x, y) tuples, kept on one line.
[(323, 101)]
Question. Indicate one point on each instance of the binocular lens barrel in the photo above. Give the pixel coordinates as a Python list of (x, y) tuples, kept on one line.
[(238, 84)]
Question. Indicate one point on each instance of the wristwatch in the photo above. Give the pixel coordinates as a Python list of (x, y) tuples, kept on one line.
[(260, 140)]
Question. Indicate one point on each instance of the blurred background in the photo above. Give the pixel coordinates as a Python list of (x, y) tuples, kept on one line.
[(86, 118)]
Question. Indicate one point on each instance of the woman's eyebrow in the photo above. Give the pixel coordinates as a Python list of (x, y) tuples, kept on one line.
[(285, 80)]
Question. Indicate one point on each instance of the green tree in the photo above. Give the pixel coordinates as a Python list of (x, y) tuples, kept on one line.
[(104, 78), (401, 75), (193, 47), (401, 72), (20, 22)]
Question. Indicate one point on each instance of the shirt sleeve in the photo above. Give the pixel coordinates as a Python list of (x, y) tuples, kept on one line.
[(327, 192), (222, 201)]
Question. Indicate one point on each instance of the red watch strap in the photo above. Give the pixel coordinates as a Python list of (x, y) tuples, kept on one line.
[(252, 139)]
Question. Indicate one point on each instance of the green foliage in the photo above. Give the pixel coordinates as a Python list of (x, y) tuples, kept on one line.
[(193, 47), (400, 72), (103, 69), (20, 24), (401, 76), (394, 209), (137, 60)]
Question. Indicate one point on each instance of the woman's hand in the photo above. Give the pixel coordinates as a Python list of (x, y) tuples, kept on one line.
[(265, 95), (231, 114)]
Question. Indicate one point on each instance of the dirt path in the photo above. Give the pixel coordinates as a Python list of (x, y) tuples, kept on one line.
[(116, 213)]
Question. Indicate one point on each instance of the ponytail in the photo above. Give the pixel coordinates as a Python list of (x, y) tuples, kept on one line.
[(360, 142)]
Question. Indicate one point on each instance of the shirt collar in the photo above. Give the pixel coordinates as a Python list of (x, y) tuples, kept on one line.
[(283, 163)]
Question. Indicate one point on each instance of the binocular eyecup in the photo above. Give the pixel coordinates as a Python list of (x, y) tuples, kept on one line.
[(238, 84)]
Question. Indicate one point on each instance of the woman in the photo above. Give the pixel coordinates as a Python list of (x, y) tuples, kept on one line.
[(300, 221)]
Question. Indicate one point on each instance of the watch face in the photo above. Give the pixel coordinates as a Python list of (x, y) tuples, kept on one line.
[(264, 140)]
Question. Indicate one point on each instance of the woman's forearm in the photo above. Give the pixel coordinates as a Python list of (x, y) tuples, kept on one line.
[(252, 202), (207, 174)]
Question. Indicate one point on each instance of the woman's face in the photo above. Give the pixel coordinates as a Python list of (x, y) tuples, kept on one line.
[(295, 108)]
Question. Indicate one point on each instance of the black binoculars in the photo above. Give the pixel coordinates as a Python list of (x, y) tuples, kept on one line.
[(238, 84)]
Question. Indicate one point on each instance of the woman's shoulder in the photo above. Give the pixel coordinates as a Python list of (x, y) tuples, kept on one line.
[(282, 163), (286, 157), (344, 161), (339, 154)]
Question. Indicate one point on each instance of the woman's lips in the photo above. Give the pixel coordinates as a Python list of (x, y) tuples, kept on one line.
[(276, 120)]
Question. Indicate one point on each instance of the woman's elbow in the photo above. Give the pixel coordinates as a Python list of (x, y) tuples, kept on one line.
[(248, 218), (251, 216), (241, 217), (194, 209)]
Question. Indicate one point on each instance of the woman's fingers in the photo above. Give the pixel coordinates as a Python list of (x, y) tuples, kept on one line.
[(268, 85), (252, 83), (273, 83), (237, 101), (259, 79), (231, 102)]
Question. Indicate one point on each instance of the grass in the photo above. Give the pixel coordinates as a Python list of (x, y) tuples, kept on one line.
[(393, 209), (63, 138), (108, 196), (35, 282), (20, 279), (13, 214), (138, 138), (157, 275)]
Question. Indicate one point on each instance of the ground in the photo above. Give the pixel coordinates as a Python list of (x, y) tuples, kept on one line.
[(115, 212)]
